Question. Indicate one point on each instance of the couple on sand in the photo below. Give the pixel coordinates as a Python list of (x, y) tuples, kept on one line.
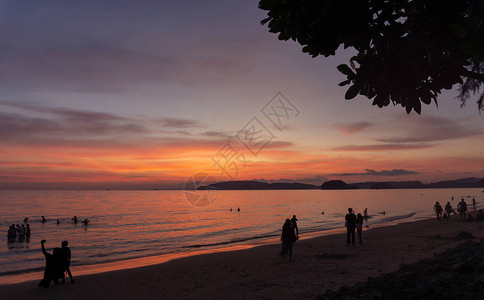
[(56, 264), (353, 222), (290, 233)]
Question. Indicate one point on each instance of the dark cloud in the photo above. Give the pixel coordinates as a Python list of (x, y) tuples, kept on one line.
[(394, 172), (352, 127), (383, 147)]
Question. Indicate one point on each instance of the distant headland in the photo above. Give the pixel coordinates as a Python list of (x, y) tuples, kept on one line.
[(470, 182)]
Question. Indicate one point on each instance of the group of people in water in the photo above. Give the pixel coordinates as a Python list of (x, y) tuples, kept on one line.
[(21, 232), (57, 264), (445, 213), (18, 233)]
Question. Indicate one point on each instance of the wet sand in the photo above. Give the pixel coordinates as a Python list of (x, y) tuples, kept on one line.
[(319, 264)]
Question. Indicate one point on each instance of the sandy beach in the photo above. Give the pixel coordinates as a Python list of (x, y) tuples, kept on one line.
[(320, 264)]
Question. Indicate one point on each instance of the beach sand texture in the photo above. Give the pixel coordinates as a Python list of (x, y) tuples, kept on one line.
[(319, 264)]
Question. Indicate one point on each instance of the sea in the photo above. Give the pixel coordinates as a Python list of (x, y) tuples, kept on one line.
[(132, 228)]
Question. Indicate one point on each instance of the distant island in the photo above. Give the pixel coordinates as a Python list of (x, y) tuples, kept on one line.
[(470, 182)]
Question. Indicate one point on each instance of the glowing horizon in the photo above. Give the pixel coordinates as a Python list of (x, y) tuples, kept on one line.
[(91, 102)]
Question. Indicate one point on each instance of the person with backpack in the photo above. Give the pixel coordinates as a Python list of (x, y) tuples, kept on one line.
[(462, 208)]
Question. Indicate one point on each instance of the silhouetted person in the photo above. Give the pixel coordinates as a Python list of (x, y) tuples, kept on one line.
[(43, 219), (438, 210), (480, 215), (21, 232), (65, 260), (58, 222), (12, 233), (294, 225), (85, 222), (462, 208), (74, 219), (27, 231), (238, 208), (26, 220), (350, 226), (51, 271), (474, 203), (448, 209), (359, 227), (365, 212), (287, 237)]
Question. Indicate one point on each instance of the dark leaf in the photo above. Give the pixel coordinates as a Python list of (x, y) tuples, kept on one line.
[(352, 92)]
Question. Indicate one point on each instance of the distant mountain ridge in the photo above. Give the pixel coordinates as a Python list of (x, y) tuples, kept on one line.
[(470, 182), (257, 185)]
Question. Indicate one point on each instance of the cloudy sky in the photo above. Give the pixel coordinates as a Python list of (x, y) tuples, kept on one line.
[(145, 94)]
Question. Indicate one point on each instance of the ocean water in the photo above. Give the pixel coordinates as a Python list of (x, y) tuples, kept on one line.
[(129, 225)]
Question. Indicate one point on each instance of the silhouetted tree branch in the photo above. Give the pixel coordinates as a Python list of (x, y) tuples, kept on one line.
[(408, 50)]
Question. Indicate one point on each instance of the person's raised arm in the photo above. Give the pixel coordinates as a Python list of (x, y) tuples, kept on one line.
[(43, 247)]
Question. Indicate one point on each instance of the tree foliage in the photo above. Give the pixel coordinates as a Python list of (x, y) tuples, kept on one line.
[(408, 50)]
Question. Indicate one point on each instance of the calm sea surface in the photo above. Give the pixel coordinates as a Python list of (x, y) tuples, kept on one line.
[(127, 225)]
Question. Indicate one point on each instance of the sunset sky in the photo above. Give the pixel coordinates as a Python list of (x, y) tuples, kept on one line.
[(145, 94)]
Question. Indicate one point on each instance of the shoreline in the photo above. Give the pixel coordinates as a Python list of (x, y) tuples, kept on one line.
[(320, 263), (139, 262)]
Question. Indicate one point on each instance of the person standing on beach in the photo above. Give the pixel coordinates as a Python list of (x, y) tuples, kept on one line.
[(438, 210), (474, 203), (294, 225), (51, 271), (287, 237), (448, 209), (462, 208), (350, 226), (359, 227), (65, 260)]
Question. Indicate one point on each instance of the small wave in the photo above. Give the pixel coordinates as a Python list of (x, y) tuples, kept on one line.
[(396, 218), (21, 271), (231, 241)]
